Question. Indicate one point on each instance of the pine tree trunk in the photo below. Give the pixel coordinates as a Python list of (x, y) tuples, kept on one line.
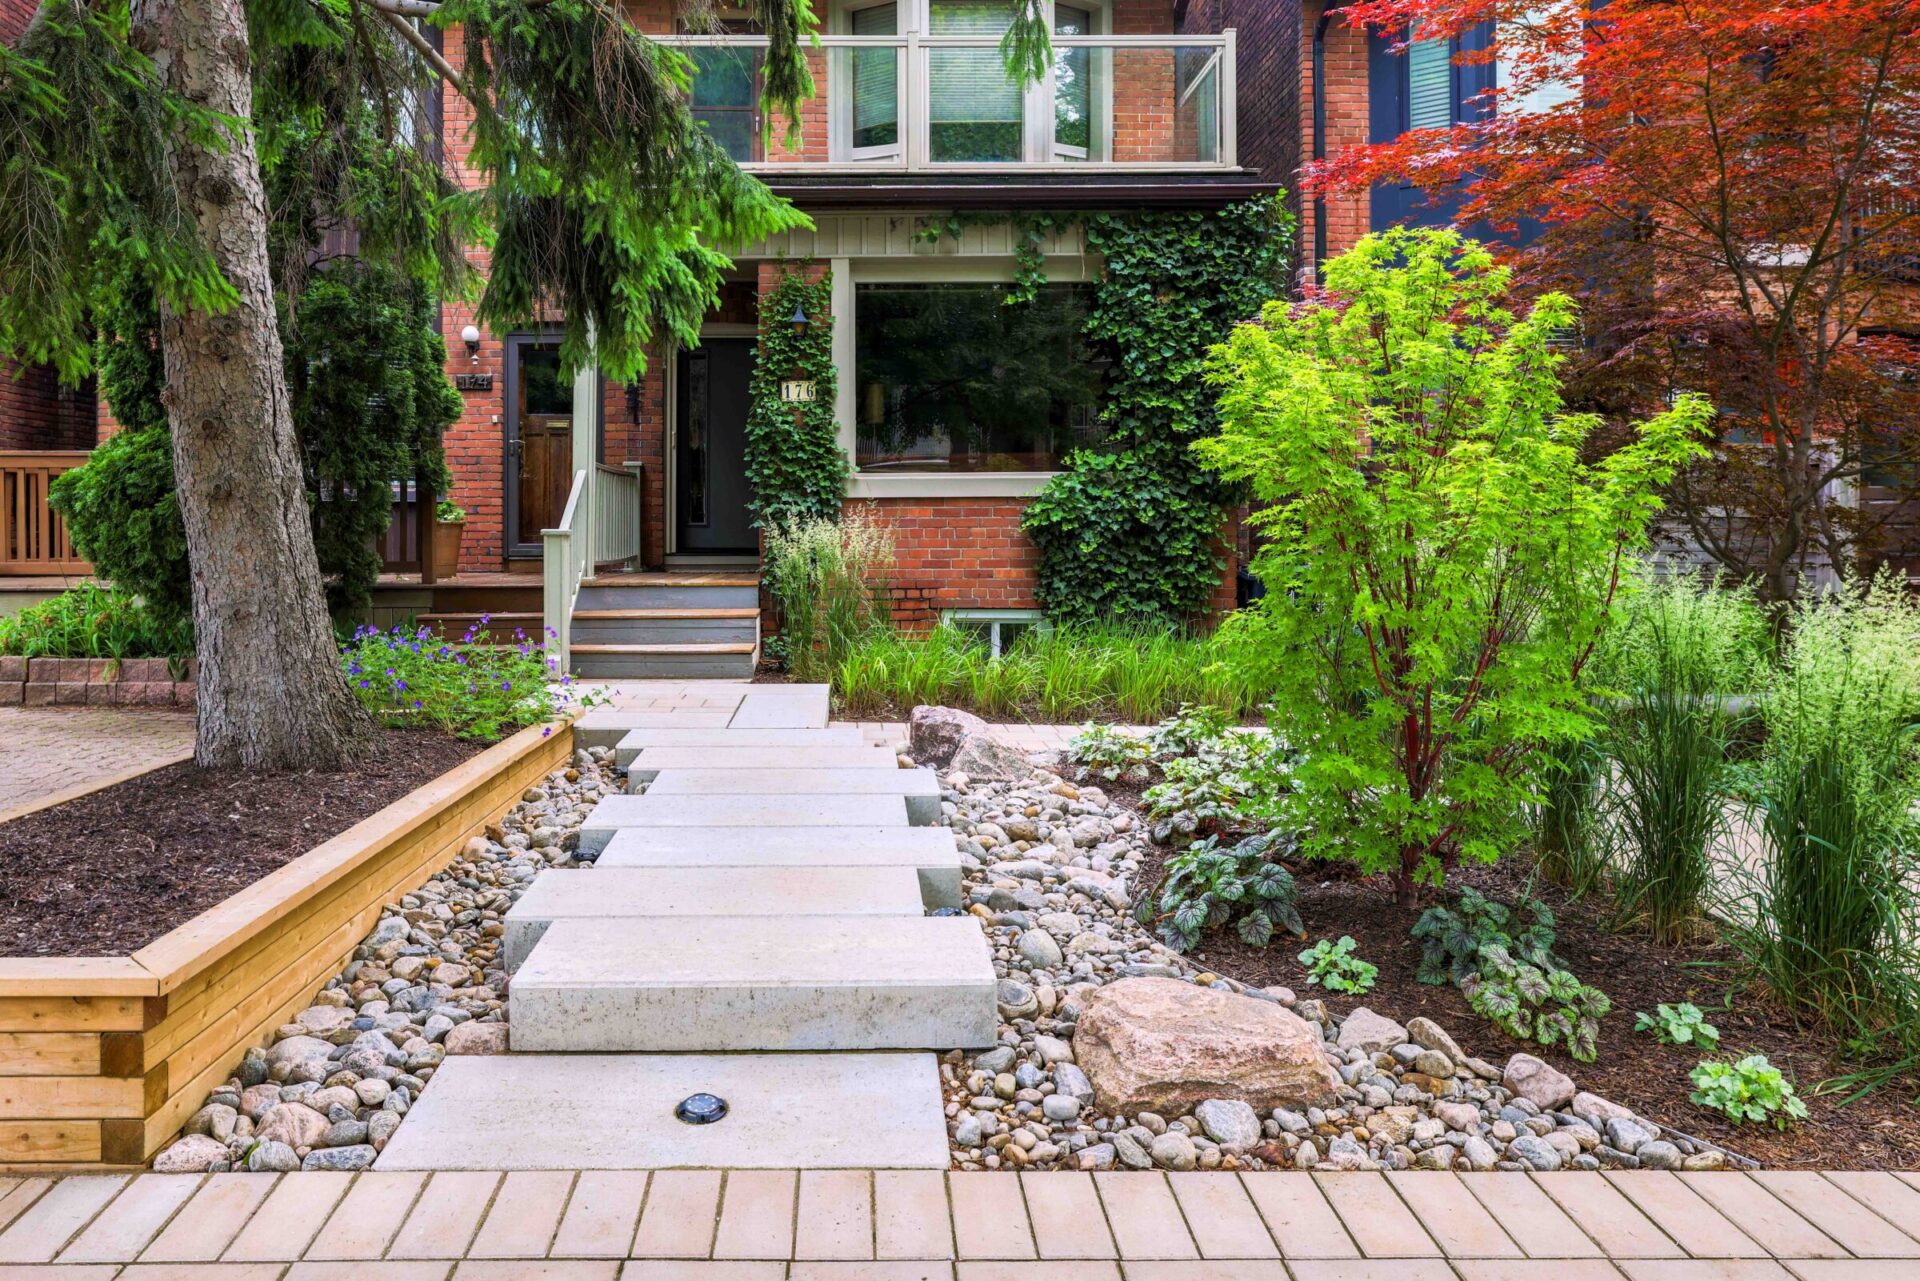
[(271, 695)]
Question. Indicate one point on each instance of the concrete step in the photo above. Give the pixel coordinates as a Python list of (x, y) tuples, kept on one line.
[(654, 759), (920, 787), (617, 812), (636, 892), (664, 627), (636, 741), (606, 726), (651, 662), (782, 707), (746, 852), (680, 984), (709, 591), (615, 1112)]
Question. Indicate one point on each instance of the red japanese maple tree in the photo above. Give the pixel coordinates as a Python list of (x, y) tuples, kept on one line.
[(1732, 190)]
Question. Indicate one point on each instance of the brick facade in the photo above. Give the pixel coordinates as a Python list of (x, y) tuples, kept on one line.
[(1346, 125), (37, 412)]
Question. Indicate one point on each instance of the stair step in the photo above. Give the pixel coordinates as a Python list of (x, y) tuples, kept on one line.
[(636, 893), (616, 812), (690, 984), (652, 760), (635, 741), (782, 707), (730, 647), (931, 852), (920, 788), (715, 579), (650, 615), (680, 592)]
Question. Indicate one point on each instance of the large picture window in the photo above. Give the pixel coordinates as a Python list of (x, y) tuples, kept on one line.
[(951, 378)]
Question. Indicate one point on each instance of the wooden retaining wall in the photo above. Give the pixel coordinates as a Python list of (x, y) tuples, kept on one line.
[(102, 1059)]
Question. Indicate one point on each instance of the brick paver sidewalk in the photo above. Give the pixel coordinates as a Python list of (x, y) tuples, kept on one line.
[(48, 751), (858, 1225)]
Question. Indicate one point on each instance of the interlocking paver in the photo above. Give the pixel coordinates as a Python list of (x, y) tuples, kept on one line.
[(1223, 1218), (525, 1213), (1880, 1192), (1379, 1222), (39, 1232), (374, 1270), (54, 750), (1531, 1217), (18, 1195), (871, 1270), (195, 1271), (58, 1271), (1058, 1270), (1841, 1217), (1146, 1220), (1760, 1215), (1609, 1218), (681, 1211), (537, 1270), (1697, 1227), (1526, 1270), (133, 1218), (756, 1215), (444, 1218), (990, 1217), (369, 1215), (910, 1215), (1068, 1222), (207, 1224), (1205, 1270), (288, 1219), (1703, 1270), (702, 1270), (1370, 1270), (1298, 1216), (836, 1215), (602, 1216), (1451, 1216), (1853, 1269)]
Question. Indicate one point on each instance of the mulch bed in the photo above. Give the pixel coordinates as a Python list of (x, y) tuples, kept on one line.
[(1879, 1131), (110, 872)]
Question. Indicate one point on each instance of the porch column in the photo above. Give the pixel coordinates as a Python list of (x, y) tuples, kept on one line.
[(586, 456), (846, 394)]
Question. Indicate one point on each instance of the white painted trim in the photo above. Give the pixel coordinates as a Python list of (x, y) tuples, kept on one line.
[(846, 388), (1061, 269), (954, 484)]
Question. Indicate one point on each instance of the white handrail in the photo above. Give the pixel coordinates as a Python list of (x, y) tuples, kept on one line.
[(566, 553)]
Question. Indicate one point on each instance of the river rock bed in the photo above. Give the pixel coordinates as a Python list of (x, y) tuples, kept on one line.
[(337, 1080), (1051, 868)]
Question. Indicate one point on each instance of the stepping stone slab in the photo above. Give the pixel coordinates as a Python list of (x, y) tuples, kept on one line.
[(637, 741), (920, 787), (606, 726), (568, 894), (711, 983), (654, 759), (782, 707), (615, 1112), (616, 812), (931, 852)]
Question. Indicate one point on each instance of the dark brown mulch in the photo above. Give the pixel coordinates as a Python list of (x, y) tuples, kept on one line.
[(111, 872), (1880, 1131)]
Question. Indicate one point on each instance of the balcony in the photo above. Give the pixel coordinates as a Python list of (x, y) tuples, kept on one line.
[(944, 104)]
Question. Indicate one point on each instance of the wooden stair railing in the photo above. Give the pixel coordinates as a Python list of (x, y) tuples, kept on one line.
[(33, 537)]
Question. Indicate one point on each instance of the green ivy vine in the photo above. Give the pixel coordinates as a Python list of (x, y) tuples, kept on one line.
[(795, 466)]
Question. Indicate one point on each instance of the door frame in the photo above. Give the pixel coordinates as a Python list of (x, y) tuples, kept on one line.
[(511, 347), (713, 329)]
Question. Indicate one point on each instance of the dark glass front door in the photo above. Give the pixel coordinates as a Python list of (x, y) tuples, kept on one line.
[(710, 467)]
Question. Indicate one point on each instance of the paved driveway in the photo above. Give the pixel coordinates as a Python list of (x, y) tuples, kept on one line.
[(48, 751)]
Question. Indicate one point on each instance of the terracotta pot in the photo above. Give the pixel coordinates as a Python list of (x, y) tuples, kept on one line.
[(446, 547)]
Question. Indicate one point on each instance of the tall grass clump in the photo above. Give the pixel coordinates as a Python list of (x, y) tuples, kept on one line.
[(1678, 668), (1828, 916), (829, 583), (90, 621), (1569, 833)]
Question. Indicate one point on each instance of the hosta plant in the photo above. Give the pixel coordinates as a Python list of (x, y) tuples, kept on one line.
[(1681, 1024), (1207, 886), (1451, 938), (1750, 1090), (1335, 967), (1548, 1006)]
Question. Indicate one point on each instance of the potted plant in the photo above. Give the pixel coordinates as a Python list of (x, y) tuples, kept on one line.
[(449, 525)]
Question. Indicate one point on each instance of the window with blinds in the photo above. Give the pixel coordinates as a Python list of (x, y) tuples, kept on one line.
[(1430, 84), (974, 109), (876, 79)]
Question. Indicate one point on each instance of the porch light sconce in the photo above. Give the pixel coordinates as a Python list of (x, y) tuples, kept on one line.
[(471, 337), (799, 320)]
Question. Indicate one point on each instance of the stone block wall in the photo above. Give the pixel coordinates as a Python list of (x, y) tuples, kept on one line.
[(95, 682)]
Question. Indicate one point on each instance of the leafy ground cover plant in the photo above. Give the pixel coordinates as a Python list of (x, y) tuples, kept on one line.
[(1679, 1024), (1451, 938), (467, 688), (1335, 967), (1112, 752), (1548, 1006), (1438, 554), (90, 621), (1208, 886), (1750, 1090)]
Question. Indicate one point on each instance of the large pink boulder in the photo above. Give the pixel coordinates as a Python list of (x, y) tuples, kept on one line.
[(1161, 1045)]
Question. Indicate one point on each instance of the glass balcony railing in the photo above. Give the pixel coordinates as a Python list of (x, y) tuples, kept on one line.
[(945, 102)]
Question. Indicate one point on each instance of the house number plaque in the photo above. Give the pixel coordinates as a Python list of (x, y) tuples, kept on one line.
[(473, 382), (797, 391)]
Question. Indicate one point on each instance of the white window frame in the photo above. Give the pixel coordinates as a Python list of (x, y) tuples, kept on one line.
[(840, 146), (994, 618)]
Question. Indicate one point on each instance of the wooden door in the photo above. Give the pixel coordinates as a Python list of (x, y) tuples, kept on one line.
[(539, 442)]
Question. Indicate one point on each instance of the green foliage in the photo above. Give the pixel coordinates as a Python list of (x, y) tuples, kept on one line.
[(1570, 838), (1335, 967), (123, 514), (1750, 1090), (796, 470), (1452, 938), (1130, 530), (370, 399), (468, 688), (1219, 786), (1438, 556), (1111, 752), (1207, 887), (1027, 47), (448, 512), (829, 582), (1548, 1006), (90, 621), (1681, 1024)]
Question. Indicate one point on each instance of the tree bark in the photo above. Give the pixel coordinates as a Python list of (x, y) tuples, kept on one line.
[(271, 694)]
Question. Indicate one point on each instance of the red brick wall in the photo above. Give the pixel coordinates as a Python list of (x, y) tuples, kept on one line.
[(36, 412), (956, 553), (1346, 126)]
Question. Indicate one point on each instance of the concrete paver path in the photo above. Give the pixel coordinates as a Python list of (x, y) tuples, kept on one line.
[(51, 751)]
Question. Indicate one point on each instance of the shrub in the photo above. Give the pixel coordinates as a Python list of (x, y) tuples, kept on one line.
[(90, 621), (829, 581), (1335, 967), (1750, 1090), (1451, 938), (1438, 556), (1206, 886), (467, 688), (1570, 840), (124, 515), (1531, 1003), (1681, 1024)]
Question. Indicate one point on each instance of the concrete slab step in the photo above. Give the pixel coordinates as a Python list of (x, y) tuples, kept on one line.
[(721, 592), (654, 759), (652, 662), (690, 984), (636, 741), (616, 812), (664, 631), (930, 852), (615, 1112), (920, 787), (782, 707), (633, 892)]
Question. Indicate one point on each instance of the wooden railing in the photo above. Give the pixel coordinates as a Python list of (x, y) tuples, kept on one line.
[(33, 538), (616, 513), (602, 525)]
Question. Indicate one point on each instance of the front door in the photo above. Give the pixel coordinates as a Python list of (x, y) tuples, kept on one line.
[(710, 466), (539, 429)]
